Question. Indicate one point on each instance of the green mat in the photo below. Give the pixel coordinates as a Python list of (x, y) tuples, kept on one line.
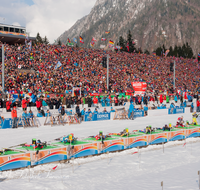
[(161, 131), (186, 127), (195, 125), (32, 149), (174, 129), (76, 143), (132, 135), (141, 133), (9, 153), (93, 139)]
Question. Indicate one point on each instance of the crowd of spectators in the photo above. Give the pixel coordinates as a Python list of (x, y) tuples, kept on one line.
[(82, 68), (155, 101), (35, 72)]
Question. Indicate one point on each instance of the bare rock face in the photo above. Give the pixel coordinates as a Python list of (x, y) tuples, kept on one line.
[(152, 23)]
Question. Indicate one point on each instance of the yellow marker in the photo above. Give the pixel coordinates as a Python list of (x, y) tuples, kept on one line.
[(194, 120), (70, 137)]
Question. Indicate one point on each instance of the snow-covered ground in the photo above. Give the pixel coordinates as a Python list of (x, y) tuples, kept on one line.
[(10, 137), (177, 167)]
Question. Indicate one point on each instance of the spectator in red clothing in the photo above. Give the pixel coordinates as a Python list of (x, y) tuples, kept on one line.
[(95, 100), (8, 105), (14, 117), (38, 104), (116, 100), (83, 68), (161, 98), (139, 100), (24, 104), (198, 105)]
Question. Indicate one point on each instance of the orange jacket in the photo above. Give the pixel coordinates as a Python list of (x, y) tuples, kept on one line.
[(115, 100), (24, 103), (13, 113), (8, 105), (95, 100)]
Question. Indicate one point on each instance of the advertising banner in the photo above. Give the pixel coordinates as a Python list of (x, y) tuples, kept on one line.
[(70, 44), (139, 87), (138, 113), (7, 123), (97, 117), (94, 94), (176, 110)]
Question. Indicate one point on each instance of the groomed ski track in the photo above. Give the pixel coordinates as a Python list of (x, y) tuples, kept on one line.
[(129, 169)]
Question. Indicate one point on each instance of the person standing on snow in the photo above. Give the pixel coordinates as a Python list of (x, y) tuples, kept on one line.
[(116, 100), (131, 111), (198, 105), (14, 117)]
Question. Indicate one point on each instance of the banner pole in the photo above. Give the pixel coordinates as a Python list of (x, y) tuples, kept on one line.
[(174, 74), (3, 68), (107, 72)]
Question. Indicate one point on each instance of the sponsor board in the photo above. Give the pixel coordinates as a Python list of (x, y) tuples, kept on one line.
[(97, 117), (176, 110)]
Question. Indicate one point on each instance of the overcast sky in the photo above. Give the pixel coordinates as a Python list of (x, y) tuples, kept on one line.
[(48, 17)]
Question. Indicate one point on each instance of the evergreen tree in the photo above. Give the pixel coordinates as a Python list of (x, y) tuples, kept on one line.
[(163, 49), (122, 43), (175, 53), (130, 42), (59, 42), (146, 52), (189, 52), (171, 51), (183, 51), (39, 39), (180, 52), (45, 41), (159, 51)]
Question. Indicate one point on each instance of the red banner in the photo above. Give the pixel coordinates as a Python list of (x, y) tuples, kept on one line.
[(139, 87), (94, 94)]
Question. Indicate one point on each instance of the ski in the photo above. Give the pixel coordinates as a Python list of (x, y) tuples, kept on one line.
[(11, 149), (18, 145)]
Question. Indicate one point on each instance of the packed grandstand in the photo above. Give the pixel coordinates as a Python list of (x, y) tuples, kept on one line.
[(82, 68)]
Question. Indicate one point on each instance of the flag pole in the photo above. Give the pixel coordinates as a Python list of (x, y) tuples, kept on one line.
[(174, 74), (3, 68), (107, 72)]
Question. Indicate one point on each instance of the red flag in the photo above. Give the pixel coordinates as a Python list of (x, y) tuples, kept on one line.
[(81, 40), (111, 42), (54, 167), (127, 45), (93, 39), (68, 40), (56, 51)]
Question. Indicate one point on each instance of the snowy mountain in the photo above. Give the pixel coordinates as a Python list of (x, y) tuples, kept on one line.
[(152, 23)]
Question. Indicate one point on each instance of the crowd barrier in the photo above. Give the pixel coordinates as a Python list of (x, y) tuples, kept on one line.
[(7, 123), (138, 113), (89, 146), (97, 117), (176, 110)]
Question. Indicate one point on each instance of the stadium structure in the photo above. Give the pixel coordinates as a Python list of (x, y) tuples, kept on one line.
[(11, 34)]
